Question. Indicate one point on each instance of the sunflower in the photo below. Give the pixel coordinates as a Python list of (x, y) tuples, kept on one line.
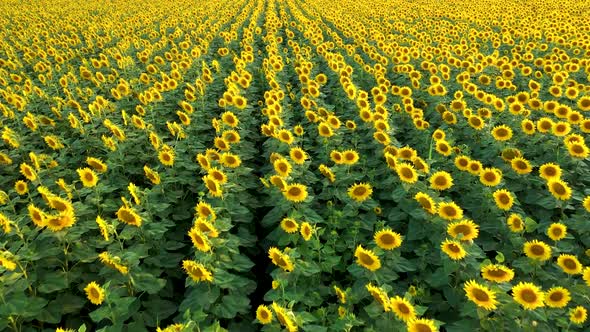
[(21, 187), (497, 273), (152, 175), (550, 171), (586, 203), (230, 119), (559, 189), (295, 192), (87, 176), (327, 172), (289, 225), (538, 250), (453, 249), (166, 157), (475, 167), (441, 180), (94, 293), (28, 172), (557, 297), (379, 295), (502, 133), (449, 211), (263, 314), (406, 173), (199, 239), (420, 165), (230, 160), (443, 147), (578, 315), (37, 215), (213, 186), (407, 153), (578, 150), (481, 295), (367, 258), (360, 192), (60, 221), (340, 294), (324, 130), (426, 202), (421, 325), (503, 199), (113, 262), (205, 211), (557, 231), (102, 226), (282, 167), (569, 264), (388, 239), (521, 165), (462, 162), (129, 216), (350, 157), (561, 128), (306, 231), (490, 177), (279, 259), (197, 271), (284, 318), (96, 164), (527, 126), (467, 229), (586, 275), (528, 295), (298, 155), (402, 308), (206, 227)]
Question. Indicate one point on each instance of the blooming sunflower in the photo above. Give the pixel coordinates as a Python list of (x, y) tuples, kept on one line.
[(129, 216), (263, 314), (360, 192), (87, 176), (388, 239), (466, 228), (367, 258), (406, 173), (295, 192), (490, 177), (521, 165), (402, 308), (97, 164), (38, 217), (60, 221), (578, 150), (350, 157), (306, 230), (284, 318), (199, 239), (289, 225), (282, 167), (497, 273), (503, 199), (298, 155), (528, 295), (28, 172), (280, 259), (453, 249), (559, 189), (213, 186), (586, 275), (379, 295), (481, 295), (569, 264), (166, 157), (449, 211), (421, 325), (21, 187), (94, 293), (538, 250), (197, 271), (557, 231), (515, 223), (578, 315), (557, 297), (426, 202), (441, 180), (502, 133), (152, 175), (462, 162), (550, 171), (475, 167), (443, 147), (340, 294)]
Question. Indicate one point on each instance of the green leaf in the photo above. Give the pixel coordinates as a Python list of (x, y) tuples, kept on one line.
[(53, 281), (148, 283)]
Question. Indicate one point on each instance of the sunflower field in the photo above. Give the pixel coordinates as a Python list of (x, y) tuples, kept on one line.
[(294, 165)]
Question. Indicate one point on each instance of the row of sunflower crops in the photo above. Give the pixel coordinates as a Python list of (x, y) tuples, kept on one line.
[(294, 165)]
